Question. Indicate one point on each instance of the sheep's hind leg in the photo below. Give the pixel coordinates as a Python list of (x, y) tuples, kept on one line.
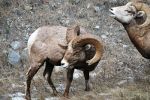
[(31, 72), (48, 70)]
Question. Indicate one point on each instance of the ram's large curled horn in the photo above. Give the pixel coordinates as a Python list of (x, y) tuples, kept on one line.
[(88, 39), (143, 7)]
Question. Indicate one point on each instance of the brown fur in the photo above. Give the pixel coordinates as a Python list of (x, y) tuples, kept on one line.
[(140, 37), (48, 45), (137, 27), (78, 57)]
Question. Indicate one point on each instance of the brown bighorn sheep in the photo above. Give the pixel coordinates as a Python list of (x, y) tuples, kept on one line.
[(78, 56), (135, 17), (49, 44)]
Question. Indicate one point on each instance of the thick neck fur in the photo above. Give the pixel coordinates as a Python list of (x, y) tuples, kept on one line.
[(134, 32), (136, 35)]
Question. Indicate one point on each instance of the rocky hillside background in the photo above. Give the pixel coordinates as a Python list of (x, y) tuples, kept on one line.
[(122, 74)]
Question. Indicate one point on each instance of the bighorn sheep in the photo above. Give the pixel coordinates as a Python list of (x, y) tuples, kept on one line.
[(78, 56), (49, 44), (135, 17)]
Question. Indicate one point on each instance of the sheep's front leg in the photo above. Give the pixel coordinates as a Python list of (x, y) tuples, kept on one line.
[(86, 76), (48, 70), (31, 72), (69, 78)]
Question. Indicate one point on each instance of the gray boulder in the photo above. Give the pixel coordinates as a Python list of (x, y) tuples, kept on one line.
[(14, 57)]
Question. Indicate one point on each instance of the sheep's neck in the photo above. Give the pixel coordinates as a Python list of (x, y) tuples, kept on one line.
[(135, 35)]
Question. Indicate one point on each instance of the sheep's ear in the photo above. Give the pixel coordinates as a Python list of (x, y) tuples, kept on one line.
[(88, 47), (63, 46), (72, 32), (140, 14), (77, 30)]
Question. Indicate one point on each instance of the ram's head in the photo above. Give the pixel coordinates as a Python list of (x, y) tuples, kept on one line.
[(130, 11), (77, 47)]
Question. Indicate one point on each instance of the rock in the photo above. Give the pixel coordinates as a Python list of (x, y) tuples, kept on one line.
[(96, 9), (60, 88), (130, 80), (97, 27), (58, 69), (17, 96), (53, 6), (64, 22), (122, 82), (88, 5), (77, 74), (15, 86), (125, 46), (15, 45), (74, 1), (93, 75), (5, 3), (18, 12), (27, 7), (26, 37), (77, 1), (82, 13), (104, 36), (14, 57), (52, 98), (113, 1)]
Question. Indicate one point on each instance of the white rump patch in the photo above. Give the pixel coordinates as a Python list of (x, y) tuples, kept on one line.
[(31, 40)]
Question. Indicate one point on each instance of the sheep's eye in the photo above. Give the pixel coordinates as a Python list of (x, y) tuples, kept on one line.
[(131, 12), (75, 53)]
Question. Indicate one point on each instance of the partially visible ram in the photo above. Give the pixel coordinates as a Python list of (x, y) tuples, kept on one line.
[(135, 17), (50, 44)]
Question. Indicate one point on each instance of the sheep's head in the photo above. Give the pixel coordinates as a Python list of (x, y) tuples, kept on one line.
[(130, 11), (75, 52)]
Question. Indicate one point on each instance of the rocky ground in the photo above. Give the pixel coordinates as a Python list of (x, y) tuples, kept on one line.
[(122, 74)]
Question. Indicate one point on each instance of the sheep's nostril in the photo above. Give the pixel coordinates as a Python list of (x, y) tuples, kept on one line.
[(111, 9), (62, 64)]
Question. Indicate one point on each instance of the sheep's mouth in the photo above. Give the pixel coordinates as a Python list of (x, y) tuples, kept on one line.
[(112, 13)]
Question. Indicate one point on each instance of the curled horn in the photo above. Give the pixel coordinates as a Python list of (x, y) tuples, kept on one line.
[(143, 7), (95, 42)]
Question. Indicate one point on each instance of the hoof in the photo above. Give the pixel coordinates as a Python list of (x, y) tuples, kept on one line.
[(87, 89), (55, 93), (27, 97), (66, 95)]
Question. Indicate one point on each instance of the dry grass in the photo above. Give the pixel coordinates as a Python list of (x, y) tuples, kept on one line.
[(12, 82), (112, 69)]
